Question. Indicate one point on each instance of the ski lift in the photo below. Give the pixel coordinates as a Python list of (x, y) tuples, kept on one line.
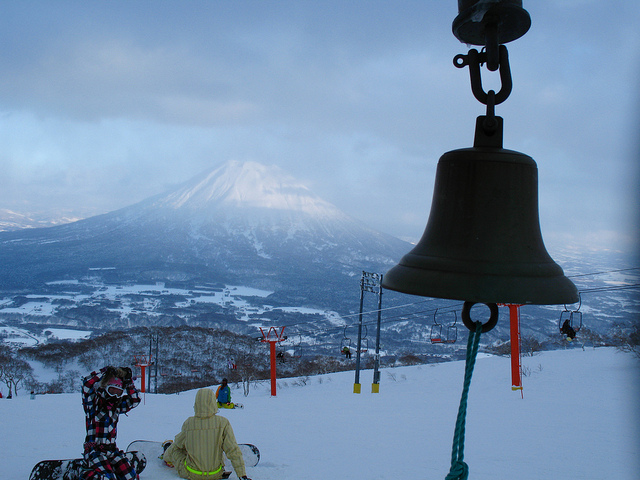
[(436, 330), (345, 344), (364, 341), (444, 334), (281, 355), (297, 347), (570, 321), (346, 341)]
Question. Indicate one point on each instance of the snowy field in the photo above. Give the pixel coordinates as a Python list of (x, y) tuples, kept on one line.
[(230, 296), (42, 304), (579, 419)]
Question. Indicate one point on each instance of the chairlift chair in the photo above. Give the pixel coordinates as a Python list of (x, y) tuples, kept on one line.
[(364, 342), (345, 342), (364, 346), (576, 320), (574, 317), (436, 330), (297, 348), (564, 316), (451, 330)]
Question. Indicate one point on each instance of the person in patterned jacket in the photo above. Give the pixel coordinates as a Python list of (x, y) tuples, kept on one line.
[(105, 395)]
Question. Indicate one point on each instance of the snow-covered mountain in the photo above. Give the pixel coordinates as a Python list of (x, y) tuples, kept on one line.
[(243, 223), (237, 190), (255, 201)]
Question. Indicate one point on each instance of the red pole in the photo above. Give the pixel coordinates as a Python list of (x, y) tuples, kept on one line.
[(142, 386), (514, 324), (272, 348), (277, 337)]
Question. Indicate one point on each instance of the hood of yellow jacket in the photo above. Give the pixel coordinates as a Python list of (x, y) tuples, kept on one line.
[(205, 404)]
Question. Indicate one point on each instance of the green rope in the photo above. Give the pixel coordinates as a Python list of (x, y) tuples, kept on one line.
[(459, 469)]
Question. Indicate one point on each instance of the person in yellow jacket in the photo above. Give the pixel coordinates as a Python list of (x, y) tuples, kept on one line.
[(197, 452)]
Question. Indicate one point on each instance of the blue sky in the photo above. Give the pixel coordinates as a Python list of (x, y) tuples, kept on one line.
[(103, 104)]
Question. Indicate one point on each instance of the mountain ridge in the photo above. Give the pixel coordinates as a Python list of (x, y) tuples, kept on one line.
[(217, 227), (208, 232)]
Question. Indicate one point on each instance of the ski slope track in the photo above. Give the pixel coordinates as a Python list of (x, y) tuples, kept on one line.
[(578, 420)]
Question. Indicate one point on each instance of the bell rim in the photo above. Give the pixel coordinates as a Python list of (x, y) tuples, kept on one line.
[(482, 288)]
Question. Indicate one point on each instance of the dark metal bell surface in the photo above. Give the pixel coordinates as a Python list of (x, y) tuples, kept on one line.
[(482, 242), (510, 19)]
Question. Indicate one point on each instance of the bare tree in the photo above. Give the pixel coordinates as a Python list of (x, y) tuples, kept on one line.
[(530, 346), (627, 338), (14, 373)]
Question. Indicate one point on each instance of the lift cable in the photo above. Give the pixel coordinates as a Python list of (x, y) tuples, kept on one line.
[(612, 288), (408, 316), (603, 273)]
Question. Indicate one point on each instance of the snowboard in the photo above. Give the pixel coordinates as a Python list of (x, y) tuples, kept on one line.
[(158, 470), (72, 469), (230, 405)]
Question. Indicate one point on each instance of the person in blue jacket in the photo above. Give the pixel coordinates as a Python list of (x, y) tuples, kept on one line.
[(223, 395)]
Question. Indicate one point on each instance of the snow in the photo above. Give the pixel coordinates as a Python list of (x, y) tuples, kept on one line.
[(248, 185), (68, 334), (230, 295), (578, 420)]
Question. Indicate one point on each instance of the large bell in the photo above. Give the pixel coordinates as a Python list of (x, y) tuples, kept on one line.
[(482, 242)]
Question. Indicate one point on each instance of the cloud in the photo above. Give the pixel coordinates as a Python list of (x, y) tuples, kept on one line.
[(105, 103)]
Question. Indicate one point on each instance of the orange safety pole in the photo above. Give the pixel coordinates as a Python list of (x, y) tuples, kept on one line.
[(514, 327), (272, 340), (143, 362), (272, 348), (142, 384)]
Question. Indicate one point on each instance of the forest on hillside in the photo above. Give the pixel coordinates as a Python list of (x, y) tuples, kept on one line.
[(175, 359), (186, 357)]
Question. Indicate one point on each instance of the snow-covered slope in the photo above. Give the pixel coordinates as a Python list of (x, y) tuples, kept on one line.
[(578, 420)]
